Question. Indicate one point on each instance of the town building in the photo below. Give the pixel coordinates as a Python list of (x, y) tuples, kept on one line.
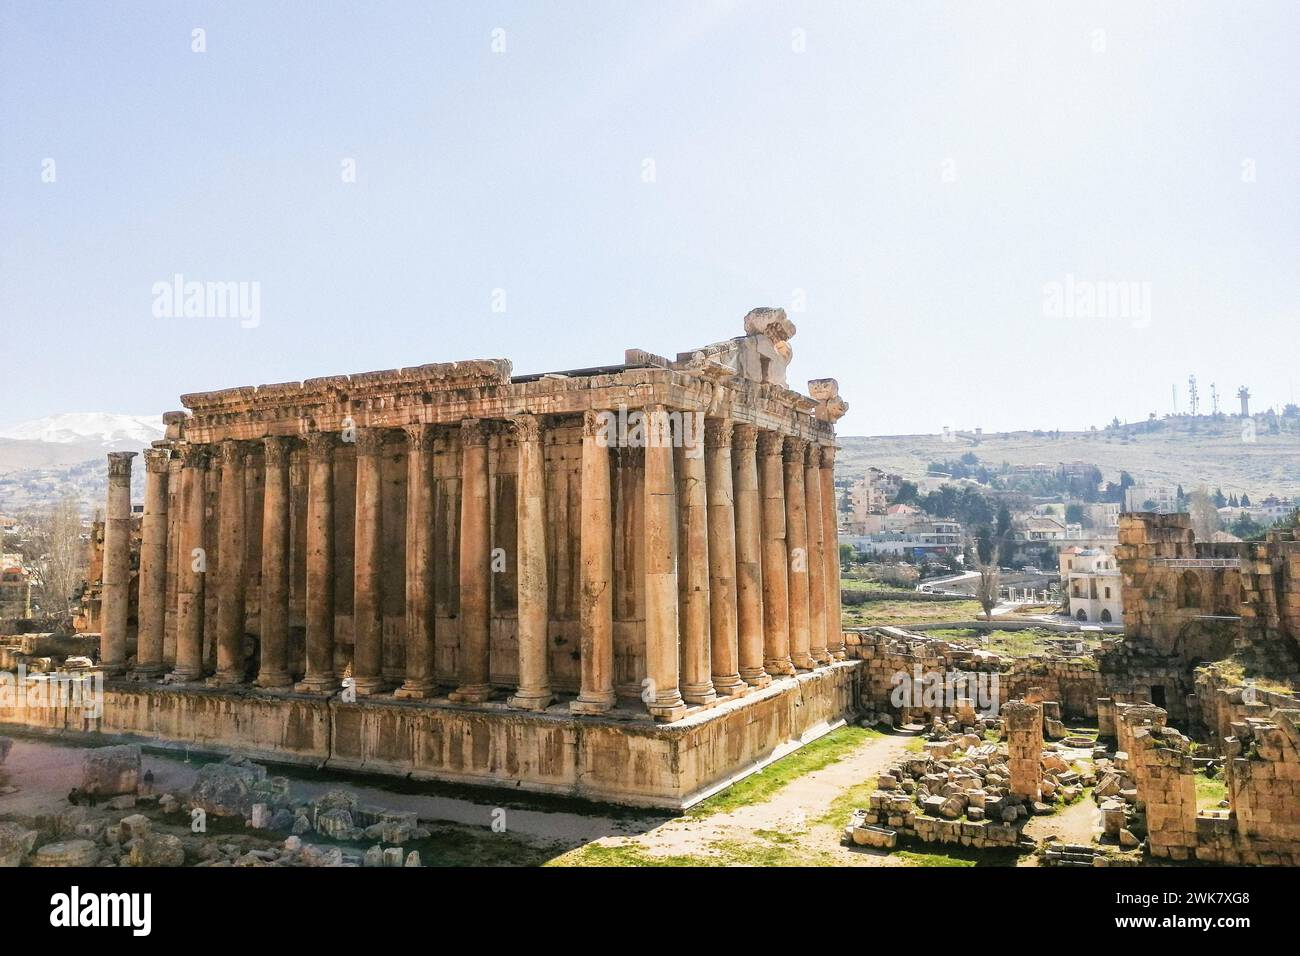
[(1090, 580)]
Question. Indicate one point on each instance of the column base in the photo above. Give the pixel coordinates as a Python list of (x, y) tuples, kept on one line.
[(759, 678), (112, 670), (803, 662), (149, 671), (471, 694), (369, 686), (273, 679), (593, 702), (821, 656), (226, 679), (184, 675), (729, 685), (317, 684), (699, 693), (416, 690), (779, 667), (538, 699), (668, 710)]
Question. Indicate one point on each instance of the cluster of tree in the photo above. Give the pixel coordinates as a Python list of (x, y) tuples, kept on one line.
[(1230, 501)]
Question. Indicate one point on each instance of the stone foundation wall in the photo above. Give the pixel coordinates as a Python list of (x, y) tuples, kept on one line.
[(632, 761)]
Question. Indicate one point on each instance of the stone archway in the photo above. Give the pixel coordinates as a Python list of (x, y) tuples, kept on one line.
[(1082, 615), (1105, 615)]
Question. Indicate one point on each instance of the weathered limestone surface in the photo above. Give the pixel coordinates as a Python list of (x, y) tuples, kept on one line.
[(634, 763)]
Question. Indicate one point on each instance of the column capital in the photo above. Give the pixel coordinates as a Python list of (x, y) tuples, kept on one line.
[(157, 460), (119, 464), (594, 422), (718, 431), (277, 450), (813, 456), (320, 445), (527, 427), (370, 441), (795, 449), (232, 452), (195, 456), (419, 436), (828, 456), (744, 436), (473, 431), (770, 443)]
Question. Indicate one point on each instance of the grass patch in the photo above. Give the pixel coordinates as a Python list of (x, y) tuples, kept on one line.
[(1210, 790), (960, 856), (878, 613), (760, 786)]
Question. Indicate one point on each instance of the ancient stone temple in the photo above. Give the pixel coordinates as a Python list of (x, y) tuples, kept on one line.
[(398, 570)]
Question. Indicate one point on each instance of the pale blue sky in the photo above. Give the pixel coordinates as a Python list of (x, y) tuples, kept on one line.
[(1106, 156)]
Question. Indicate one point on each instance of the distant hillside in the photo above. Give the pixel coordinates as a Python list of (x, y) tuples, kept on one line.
[(1210, 453)]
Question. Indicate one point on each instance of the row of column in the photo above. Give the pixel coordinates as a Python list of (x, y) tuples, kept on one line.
[(756, 523), (758, 596)]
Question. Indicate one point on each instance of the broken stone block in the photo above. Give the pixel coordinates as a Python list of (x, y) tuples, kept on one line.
[(953, 807), (168, 803), (301, 825), (1128, 839), (374, 856), (412, 858), (393, 856), (158, 849), (336, 823), (133, 827), (15, 843), (281, 819), (67, 853), (293, 844), (883, 838), (111, 771), (230, 788), (261, 817)]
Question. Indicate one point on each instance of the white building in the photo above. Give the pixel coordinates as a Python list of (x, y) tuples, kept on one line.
[(1090, 578), (1158, 498)]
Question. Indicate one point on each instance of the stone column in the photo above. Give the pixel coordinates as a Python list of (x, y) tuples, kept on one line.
[(117, 564), (418, 682), (776, 594), (796, 530), (812, 487), (596, 612), (693, 587), (230, 566), (475, 569), (749, 557), (367, 593), (831, 546), (192, 571), (320, 678), (273, 666), (662, 696), (534, 689), (153, 565), (1024, 724), (722, 558)]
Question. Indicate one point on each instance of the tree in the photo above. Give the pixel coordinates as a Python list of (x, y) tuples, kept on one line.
[(63, 555), (1074, 514), (1245, 500), (986, 592), (1205, 514), (1218, 499), (907, 492)]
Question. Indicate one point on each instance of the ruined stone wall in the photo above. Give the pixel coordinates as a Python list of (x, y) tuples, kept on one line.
[(1073, 683), (1262, 826)]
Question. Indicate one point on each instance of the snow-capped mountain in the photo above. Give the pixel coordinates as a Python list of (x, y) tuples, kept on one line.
[(88, 428)]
